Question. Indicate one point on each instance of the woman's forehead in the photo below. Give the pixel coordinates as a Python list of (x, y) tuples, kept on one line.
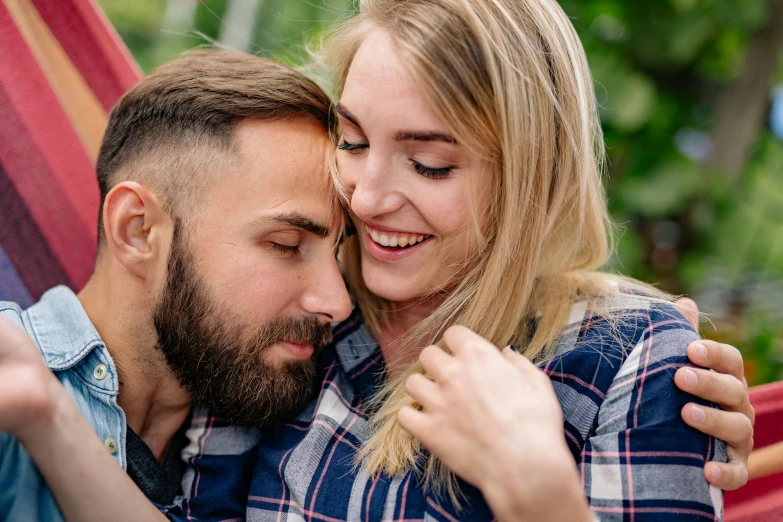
[(381, 91)]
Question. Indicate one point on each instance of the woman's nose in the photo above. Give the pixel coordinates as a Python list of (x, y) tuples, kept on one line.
[(375, 192)]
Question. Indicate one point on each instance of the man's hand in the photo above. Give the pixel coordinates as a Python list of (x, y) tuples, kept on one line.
[(493, 418), (26, 384), (722, 381), (36, 409)]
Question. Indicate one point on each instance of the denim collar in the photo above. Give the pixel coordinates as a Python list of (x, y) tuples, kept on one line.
[(62, 329)]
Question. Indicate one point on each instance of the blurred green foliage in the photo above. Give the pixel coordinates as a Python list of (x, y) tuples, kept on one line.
[(660, 69)]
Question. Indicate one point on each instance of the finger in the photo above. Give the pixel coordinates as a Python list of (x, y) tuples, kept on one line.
[(690, 310), (732, 427), (424, 391), (13, 338), (765, 461), (521, 362), (724, 390), (436, 362), (722, 358), (460, 339), (726, 476), (414, 422)]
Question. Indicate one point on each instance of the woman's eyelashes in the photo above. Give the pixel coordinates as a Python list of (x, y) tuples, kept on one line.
[(430, 172), (351, 147)]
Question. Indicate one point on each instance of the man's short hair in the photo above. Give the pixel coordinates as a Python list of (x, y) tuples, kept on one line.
[(174, 129)]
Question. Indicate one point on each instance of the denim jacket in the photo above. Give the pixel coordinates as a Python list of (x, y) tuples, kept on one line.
[(74, 351)]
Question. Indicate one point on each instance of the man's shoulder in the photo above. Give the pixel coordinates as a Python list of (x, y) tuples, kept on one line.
[(12, 311), (16, 314), (59, 326)]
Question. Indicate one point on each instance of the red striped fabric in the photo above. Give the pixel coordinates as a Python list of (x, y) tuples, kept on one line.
[(48, 189), (761, 500), (92, 45)]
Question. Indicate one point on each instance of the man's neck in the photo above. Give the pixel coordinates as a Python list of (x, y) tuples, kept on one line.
[(154, 402)]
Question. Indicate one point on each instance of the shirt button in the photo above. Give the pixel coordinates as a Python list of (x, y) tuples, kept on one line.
[(100, 372), (110, 445)]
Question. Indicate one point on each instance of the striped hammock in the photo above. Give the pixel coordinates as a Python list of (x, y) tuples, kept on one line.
[(62, 67), (761, 500)]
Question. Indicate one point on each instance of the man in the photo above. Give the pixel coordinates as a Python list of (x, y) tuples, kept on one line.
[(215, 278)]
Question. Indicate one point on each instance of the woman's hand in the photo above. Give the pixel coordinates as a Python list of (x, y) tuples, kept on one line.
[(725, 386), (494, 419)]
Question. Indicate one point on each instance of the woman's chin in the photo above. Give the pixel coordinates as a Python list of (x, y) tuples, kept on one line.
[(396, 295), (391, 289)]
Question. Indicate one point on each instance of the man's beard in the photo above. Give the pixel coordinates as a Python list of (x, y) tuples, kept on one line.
[(220, 359)]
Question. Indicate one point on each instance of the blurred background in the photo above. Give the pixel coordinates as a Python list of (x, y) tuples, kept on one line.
[(691, 97)]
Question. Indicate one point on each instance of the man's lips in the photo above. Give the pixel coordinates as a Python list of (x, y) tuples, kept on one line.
[(300, 350)]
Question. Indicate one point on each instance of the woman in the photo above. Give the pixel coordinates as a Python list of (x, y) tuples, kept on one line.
[(469, 159)]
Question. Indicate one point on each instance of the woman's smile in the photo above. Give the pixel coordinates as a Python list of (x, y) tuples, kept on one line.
[(386, 244)]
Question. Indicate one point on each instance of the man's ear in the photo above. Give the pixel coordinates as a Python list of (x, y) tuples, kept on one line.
[(135, 222)]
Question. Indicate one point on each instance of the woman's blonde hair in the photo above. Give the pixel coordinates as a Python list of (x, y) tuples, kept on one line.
[(511, 81)]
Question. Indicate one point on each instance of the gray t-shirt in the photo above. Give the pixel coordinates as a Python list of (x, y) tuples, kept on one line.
[(160, 483)]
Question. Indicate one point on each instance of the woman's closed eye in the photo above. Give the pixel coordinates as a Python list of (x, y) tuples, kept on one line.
[(352, 147), (432, 172)]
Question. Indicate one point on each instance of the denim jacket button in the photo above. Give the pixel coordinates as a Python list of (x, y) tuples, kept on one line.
[(100, 372), (110, 445)]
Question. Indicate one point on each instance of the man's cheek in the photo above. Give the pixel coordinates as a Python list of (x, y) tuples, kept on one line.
[(263, 292)]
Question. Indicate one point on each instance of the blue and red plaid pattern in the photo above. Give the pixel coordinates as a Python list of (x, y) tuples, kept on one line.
[(614, 378)]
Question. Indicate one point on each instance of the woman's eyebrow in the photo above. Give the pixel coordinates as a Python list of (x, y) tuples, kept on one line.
[(400, 135), (424, 136), (345, 113)]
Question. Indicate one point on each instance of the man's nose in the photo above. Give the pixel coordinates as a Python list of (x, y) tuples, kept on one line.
[(326, 296)]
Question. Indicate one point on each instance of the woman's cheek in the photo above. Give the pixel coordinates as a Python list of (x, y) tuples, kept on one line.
[(447, 210), (347, 170)]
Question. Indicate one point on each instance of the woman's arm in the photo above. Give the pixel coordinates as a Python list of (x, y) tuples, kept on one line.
[(640, 457), (34, 407)]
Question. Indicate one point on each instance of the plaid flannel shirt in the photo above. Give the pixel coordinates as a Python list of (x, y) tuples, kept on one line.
[(637, 459)]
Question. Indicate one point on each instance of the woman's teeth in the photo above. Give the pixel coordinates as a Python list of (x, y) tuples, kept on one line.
[(389, 239)]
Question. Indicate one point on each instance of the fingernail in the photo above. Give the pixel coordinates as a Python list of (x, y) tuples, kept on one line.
[(514, 348), (701, 351), (698, 414), (691, 379), (716, 473)]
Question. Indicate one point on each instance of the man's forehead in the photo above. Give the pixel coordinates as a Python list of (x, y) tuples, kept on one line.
[(279, 166), (284, 149)]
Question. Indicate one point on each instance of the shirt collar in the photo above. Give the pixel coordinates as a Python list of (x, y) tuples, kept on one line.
[(62, 329), (358, 353)]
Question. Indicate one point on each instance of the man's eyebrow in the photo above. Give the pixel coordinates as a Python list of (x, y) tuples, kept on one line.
[(424, 136), (345, 113), (298, 220)]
